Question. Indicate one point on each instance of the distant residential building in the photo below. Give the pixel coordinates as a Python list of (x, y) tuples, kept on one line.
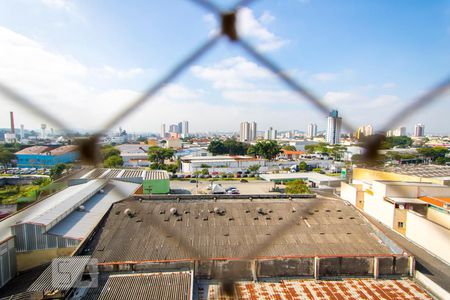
[(185, 129), (312, 130), (174, 143), (180, 127), (163, 131), (134, 155), (419, 130), (244, 134), (334, 128), (22, 132), (10, 138), (173, 128), (270, 134), (400, 131), (366, 130), (253, 130)]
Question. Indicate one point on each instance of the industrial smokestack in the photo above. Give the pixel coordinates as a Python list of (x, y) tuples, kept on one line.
[(11, 115)]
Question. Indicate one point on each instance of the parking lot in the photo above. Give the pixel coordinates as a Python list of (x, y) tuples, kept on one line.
[(251, 187)]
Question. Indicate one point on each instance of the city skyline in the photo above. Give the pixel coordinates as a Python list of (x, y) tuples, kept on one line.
[(85, 86)]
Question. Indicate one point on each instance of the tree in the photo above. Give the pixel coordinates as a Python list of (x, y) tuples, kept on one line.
[(303, 166), (433, 153), (254, 168), (235, 147), (57, 171), (297, 187), (442, 160), (113, 161), (396, 141), (317, 170), (158, 155), (217, 147), (320, 147), (108, 151), (172, 168), (337, 152), (6, 158), (289, 148), (268, 149)]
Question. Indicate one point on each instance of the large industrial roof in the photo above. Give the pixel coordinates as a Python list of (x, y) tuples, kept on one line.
[(33, 150), (165, 285), (63, 150), (79, 224), (426, 171), (41, 207), (349, 289), (313, 227), (126, 174), (63, 203)]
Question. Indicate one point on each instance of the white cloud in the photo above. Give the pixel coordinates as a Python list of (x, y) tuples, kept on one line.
[(60, 4), (325, 76), (334, 98), (252, 27), (58, 83), (389, 85), (232, 73)]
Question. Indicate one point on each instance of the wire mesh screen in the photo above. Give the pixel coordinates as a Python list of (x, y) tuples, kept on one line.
[(90, 152)]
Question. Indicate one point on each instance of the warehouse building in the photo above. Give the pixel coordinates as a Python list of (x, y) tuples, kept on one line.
[(56, 225), (45, 157), (156, 182)]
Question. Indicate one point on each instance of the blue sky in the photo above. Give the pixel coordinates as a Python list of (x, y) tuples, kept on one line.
[(85, 60)]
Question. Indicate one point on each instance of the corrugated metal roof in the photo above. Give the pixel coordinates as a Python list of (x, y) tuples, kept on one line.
[(329, 228), (167, 285), (63, 203), (33, 150), (39, 208), (348, 289), (79, 224), (156, 175), (64, 149), (46, 281)]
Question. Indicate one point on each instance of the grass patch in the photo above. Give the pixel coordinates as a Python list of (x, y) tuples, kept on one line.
[(10, 193)]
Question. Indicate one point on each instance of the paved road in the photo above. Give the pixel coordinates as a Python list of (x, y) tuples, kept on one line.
[(251, 187)]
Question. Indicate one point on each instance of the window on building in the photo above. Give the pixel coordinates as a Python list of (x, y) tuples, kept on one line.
[(400, 225)]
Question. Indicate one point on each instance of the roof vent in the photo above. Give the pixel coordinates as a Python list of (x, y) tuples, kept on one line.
[(219, 211), (261, 211), (102, 191), (173, 211), (81, 208), (128, 212)]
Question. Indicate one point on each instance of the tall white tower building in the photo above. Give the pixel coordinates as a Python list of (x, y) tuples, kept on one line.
[(163, 131), (253, 130), (185, 129), (43, 127), (334, 128), (244, 135), (312, 130)]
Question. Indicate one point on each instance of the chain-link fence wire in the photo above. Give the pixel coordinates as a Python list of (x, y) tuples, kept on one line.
[(90, 149)]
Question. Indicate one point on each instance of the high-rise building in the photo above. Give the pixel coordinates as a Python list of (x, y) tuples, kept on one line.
[(270, 134), (22, 131), (244, 134), (173, 128), (312, 130), (364, 131), (180, 127), (419, 130), (253, 130), (248, 131), (334, 128), (400, 131), (43, 127), (163, 131), (185, 131), (11, 115)]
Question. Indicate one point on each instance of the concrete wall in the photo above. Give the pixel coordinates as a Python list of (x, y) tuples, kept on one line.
[(381, 210), (31, 259), (429, 235), (440, 216)]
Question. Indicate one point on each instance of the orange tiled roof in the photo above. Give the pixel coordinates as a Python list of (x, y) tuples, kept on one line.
[(291, 152), (438, 201)]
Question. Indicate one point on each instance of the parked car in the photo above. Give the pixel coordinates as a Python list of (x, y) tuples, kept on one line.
[(244, 180), (193, 181)]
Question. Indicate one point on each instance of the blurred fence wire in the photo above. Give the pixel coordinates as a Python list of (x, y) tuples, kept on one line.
[(89, 150)]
